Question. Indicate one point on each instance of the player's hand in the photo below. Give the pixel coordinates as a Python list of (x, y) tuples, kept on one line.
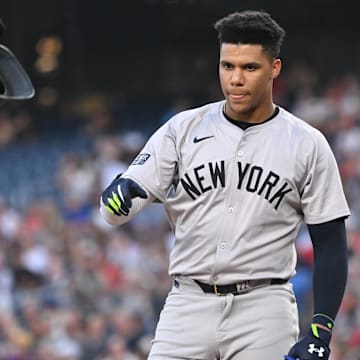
[(314, 346), (117, 196)]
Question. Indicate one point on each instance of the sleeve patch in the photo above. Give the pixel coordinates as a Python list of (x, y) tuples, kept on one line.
[(140, 159)]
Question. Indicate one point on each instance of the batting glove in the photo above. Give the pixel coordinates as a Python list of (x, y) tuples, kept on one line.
[(117, 196), (315, 345)]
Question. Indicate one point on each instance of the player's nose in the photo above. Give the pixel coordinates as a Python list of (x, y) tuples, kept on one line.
[(237, 77)]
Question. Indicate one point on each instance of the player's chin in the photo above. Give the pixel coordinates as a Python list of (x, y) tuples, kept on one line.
[(238, 107)]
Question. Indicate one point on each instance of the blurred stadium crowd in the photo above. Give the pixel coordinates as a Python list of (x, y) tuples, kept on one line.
[(75, 288)]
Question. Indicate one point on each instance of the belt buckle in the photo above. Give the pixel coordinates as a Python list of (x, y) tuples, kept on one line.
[(216, 291)]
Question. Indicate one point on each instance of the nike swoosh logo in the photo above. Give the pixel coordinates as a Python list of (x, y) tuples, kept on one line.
[(196, 139)]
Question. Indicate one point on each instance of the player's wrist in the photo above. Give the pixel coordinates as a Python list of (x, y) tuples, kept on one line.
[(321, 327)]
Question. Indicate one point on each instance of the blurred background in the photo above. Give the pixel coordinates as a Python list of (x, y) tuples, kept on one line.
[(107, 74)]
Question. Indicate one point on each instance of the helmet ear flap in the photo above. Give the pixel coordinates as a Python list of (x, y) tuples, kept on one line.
[(15, 83)]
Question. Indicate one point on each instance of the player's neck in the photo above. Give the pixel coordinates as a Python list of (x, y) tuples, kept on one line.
[(245, 124), (256, 116)]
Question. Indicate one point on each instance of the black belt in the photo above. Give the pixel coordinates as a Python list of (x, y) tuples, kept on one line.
[(239, 288)]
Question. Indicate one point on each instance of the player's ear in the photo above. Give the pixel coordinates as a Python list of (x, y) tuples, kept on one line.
[(276, 68)]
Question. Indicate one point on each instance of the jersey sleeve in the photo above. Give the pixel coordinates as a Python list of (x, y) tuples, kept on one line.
[(323, 198), (155, 166)]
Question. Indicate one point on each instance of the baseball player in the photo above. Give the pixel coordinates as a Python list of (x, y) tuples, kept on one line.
[(237, 178)]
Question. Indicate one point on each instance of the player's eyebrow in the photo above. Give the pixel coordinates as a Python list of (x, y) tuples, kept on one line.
[(226, 62), (252, 64)]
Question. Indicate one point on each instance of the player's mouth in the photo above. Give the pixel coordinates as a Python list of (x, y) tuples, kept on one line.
[(237, 97)]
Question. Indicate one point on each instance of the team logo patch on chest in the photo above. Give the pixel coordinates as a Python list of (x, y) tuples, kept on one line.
[(140, 159)]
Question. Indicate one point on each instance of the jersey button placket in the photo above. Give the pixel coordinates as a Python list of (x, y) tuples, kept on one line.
[(225, 235)]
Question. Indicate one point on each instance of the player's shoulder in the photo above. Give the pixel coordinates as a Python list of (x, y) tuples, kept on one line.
[(298, 125), (303, 135), (192, 115)]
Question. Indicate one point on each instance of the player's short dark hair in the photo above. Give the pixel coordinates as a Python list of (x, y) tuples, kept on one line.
[(251, 27)]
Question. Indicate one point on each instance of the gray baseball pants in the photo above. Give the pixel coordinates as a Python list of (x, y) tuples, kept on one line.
[(260, 324)]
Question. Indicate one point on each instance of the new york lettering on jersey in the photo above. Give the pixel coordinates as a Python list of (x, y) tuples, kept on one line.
[(251, 178)]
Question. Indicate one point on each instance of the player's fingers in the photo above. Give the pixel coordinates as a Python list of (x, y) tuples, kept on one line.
[(125, 195), (123, 209), (120, 203), (111, 210), (113, 204), (116, 199)]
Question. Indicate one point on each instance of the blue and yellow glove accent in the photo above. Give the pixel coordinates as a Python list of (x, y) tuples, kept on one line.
[(117, 196)]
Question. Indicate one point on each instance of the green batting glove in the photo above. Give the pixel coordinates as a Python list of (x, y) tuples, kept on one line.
[(117, 196)]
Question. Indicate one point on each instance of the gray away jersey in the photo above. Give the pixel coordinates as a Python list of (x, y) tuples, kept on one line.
[(236, 198)]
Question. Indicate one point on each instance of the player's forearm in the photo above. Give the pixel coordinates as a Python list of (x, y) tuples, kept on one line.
[(330, 266)]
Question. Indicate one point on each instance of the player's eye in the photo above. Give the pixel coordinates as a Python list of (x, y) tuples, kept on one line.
[(226, 65), (251, 67)]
